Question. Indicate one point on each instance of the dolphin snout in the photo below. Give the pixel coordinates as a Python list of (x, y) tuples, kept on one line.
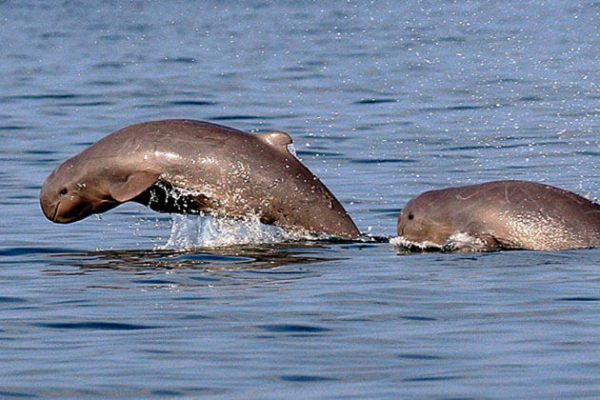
[(400, 226), (50, 209), (48, 203)]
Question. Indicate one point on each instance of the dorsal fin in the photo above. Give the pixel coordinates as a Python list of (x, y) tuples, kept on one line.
[(279, 140)]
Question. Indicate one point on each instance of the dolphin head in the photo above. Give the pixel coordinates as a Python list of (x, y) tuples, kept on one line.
[(424, 218), (90, 184), (71, 193)]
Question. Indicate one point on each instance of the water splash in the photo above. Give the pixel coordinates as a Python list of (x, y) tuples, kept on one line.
[(403, 244), (292, 150), (463, 242), (189, 231), (458, 241)]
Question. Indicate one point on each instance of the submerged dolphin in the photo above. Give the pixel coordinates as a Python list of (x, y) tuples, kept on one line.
[(186, 166), (502, 215)]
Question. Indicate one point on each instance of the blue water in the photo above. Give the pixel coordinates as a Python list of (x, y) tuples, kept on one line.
[(384, 100)]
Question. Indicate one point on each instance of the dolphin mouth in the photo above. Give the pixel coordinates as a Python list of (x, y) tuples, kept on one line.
[(55, 213), (58, 219), (53, 218), (50, 211)]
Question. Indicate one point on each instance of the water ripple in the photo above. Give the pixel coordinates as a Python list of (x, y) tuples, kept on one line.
[(193, 103), (103, 326), (293, 328), (25, 251), (16, 395), (240, 117), (579, 298), (375, 101), (6, 299), (305, 378)]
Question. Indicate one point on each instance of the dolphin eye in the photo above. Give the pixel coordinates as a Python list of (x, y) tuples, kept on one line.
[(63, 191), (411, 216)]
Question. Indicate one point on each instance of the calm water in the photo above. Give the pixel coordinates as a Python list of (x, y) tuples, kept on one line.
[(384, 101)]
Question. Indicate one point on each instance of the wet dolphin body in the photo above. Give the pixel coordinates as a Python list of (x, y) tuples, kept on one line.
[(186, 166), (502, 215)]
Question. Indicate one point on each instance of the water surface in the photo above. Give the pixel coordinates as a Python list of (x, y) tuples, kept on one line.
[(384, 101)]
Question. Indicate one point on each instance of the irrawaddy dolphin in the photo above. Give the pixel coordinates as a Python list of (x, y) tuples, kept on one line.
[(186, 166), (502, 215)]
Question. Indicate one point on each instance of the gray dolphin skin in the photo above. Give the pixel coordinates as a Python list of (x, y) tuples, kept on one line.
[(502, 215), (186, 166)]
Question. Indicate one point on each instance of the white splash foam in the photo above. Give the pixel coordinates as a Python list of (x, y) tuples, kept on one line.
[(189, 231), (292, 149), (405, 244), (460, 241)]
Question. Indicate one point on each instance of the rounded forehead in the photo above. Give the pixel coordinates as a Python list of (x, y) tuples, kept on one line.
[(63, 173), (423, 200)]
